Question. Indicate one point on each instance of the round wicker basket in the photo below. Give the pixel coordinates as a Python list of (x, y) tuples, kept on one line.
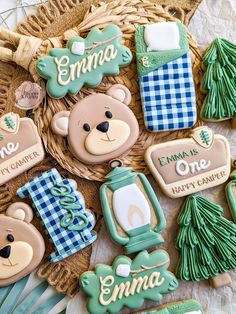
[(127, 15)]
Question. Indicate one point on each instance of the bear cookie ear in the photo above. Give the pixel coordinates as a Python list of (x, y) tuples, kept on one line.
[(120, 92), (20, 211), (60, 123)]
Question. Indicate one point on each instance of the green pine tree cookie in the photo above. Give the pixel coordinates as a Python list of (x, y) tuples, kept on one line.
[(219, 81), (206, 240)]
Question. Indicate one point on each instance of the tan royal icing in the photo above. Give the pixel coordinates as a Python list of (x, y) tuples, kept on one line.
[(128, 288), (91, 62), (20, 258), (98, 143), (182, 167)]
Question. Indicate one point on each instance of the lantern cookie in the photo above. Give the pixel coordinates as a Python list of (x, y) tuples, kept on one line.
[(165, 76), (21, 245), (131, 210), (20, 146), (128, 283), (182, 307), (185, 166), (100, 127), (62, 211), (84, 61)]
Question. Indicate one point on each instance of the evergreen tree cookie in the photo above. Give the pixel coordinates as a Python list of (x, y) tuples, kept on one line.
[(219, 81), (206, 241)]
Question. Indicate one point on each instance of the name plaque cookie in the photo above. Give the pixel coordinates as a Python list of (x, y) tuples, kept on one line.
[(20, 146), (185, 166), (84, 61), (128, 283)]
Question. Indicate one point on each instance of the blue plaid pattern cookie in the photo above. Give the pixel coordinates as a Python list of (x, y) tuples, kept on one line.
[(61, 209), (165, 77)]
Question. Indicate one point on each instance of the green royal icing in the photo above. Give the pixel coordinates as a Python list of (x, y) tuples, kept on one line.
[(219, 81), (68, 72), (155, 59), (231, 194), (69, 203), (183, 307), (109, 289), (206, 240), (144, 236)]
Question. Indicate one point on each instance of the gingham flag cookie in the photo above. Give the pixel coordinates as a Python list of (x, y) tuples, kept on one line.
[(165, 76), (62, 211)]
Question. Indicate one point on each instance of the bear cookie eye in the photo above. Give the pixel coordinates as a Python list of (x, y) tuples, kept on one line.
[(108, 114), (10, 238), (86, 127)]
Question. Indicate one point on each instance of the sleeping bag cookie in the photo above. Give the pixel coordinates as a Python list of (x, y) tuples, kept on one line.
[(21, 245), (100, 127), (165, 76), (20, 146)]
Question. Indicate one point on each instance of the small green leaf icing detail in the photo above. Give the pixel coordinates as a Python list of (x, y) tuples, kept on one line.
[(147, 278), (205, 137), (219, 81), (9, 123), (206, 240), (84, 61)]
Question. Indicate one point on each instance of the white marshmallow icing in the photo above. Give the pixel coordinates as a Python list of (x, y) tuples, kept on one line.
[(162, 36)]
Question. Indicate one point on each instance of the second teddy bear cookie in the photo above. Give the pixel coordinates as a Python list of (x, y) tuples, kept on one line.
[(100, 127), (185, 166), (21, 244), (165, 76)]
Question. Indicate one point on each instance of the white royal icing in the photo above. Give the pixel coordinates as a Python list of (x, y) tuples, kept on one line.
[(9, 149), (131, 207), (194, 312), (123, 270), (183, 168), (78, 48), (162, 36)]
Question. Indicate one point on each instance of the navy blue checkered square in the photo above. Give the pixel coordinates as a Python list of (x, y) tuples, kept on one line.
[(51, 212), (168, 96)]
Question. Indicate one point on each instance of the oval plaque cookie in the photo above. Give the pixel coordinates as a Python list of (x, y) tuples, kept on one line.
[(185, 166)]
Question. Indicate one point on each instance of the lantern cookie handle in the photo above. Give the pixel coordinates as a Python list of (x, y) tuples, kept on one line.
[(156, 206)]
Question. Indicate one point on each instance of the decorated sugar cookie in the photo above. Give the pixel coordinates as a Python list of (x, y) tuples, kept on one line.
[(131, 210), (219, 81), (165, 76), (206, 241), (62, 211), (185, 166), (128, 283), (182, 307), (21, 245), (100, 127), (231, 194), (84, 61), (20, 146)]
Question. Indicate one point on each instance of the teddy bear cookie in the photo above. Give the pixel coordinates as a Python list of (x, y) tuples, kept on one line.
[(84, 61), (20, 146), (189, 165), (21, 245), (100, 127), (128, 282), (165, 76)]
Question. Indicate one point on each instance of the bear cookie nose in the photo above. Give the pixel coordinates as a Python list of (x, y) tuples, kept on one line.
[(5, 252), (103, 127)]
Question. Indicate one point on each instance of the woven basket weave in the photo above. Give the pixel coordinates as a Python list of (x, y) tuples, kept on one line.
[(53, 19), (128, 15)]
